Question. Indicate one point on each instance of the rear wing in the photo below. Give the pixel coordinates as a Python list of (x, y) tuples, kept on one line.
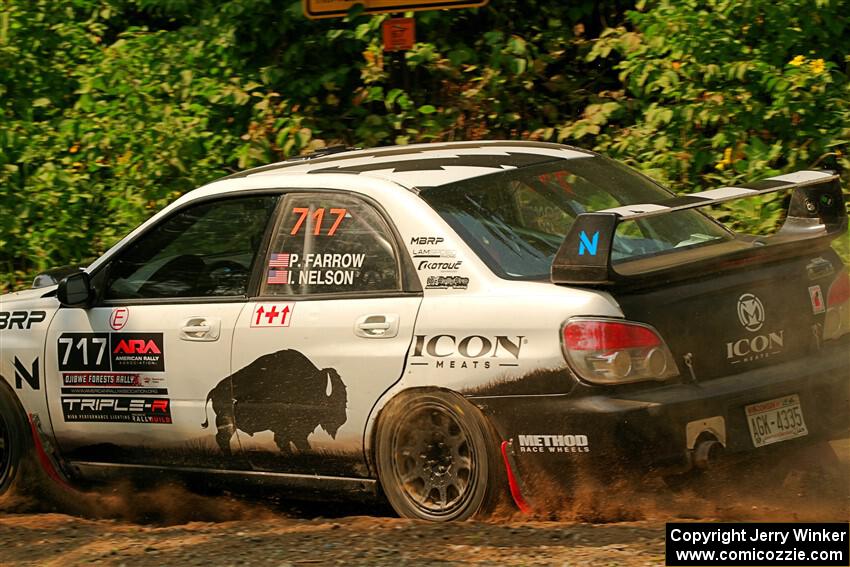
[(816, 212)]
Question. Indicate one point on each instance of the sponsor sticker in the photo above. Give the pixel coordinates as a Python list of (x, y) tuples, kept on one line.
[(816, 296), (30, 374), (118, 318), (116, 410), (439, 266), (89, 383), (446, 282), (426, 240), (105, 352), (272, 314), (337, 269), (22, 320), (473, 351), (554, 444)]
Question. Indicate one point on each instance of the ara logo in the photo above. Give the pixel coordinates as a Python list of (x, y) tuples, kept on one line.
[(30, 376), (135, 352), (589, 245), (137, 346)]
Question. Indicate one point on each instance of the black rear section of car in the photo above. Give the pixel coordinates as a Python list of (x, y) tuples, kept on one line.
[(739, 319)]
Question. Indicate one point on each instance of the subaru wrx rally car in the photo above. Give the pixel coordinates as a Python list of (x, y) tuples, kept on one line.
[(429, 323)]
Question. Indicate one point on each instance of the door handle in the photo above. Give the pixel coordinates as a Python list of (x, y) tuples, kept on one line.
[(207, 329), (377, 326)]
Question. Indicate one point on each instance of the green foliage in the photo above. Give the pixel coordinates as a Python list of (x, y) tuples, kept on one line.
[(112, 108)]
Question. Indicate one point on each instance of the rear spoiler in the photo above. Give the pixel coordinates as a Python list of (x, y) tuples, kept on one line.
[(816, 211)]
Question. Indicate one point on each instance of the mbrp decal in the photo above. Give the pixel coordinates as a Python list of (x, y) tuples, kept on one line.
[(427, 240), (473, 351), (554, 444), (29, 375), (23, 320), (314, 269), (282, 392), (111, 352), (272, 314), (116, 410)]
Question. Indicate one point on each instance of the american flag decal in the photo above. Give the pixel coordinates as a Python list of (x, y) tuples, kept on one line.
[(278, 277), (279, 261)]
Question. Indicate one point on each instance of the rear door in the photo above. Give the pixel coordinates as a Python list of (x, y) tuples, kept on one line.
[(127, 378), (326, 336)]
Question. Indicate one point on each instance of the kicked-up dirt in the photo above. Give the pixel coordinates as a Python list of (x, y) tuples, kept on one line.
[(622, 525)]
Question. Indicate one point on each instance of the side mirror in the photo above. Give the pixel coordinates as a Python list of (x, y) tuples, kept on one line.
[(75, 291)]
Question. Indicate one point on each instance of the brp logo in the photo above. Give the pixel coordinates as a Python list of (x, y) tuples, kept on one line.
[(750, 312)]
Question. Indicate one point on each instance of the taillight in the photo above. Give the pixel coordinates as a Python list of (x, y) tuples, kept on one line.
[(837, 322), (606, 351)]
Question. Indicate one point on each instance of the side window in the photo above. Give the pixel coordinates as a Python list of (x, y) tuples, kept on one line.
[(330, 243), (205, 250)]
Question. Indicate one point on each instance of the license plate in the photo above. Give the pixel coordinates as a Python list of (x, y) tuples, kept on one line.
[(776, 420)]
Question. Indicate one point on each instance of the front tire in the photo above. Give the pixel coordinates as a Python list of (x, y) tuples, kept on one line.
[(437, 459), (14, 437)]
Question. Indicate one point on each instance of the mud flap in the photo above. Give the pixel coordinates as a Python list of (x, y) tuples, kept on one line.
[(47, 458), (519, 490)]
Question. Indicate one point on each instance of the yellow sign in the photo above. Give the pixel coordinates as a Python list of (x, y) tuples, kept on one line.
[(315, 9)]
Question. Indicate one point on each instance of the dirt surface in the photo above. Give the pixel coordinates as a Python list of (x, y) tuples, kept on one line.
[(622, 525)]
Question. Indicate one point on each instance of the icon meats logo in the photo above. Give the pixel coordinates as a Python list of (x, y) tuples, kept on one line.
[(553, 444), (474, 351), (752, 316), (120, 410)]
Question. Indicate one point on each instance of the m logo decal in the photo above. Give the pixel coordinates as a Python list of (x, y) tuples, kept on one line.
[(589, 245)]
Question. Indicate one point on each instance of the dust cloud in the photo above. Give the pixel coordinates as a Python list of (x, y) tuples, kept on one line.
[(806, 484)]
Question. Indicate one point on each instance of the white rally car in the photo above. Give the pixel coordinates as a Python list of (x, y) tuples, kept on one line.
[(431, 323)]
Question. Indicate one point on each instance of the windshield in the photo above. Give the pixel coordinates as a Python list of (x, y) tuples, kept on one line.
[(516, 220)]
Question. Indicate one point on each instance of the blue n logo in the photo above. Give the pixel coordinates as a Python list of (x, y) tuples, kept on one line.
[(587, 244)]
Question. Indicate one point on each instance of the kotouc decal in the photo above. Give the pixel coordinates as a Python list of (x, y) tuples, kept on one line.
[(443, 266)]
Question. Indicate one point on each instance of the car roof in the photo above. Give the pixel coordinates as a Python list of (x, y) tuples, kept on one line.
[(419, 166)]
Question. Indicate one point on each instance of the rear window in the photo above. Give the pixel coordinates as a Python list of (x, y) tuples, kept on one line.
[(516, 220)]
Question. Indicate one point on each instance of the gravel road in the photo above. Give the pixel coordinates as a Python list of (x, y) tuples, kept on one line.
[(169, 525)]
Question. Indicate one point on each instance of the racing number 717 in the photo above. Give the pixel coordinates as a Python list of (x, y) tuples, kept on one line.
[(318, 216)]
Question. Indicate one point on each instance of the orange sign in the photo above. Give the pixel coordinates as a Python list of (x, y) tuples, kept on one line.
[(314, 9), (399, 34)]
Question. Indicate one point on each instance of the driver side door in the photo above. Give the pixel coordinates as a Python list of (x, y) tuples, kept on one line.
[(129, 379)]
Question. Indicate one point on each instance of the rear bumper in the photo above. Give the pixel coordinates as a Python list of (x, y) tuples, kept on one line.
[(650, 428)]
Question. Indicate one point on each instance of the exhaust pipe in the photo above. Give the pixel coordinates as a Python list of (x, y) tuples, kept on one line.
[(706, 453)]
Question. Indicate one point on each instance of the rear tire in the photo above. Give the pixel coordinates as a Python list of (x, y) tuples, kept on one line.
[(437, 457)]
